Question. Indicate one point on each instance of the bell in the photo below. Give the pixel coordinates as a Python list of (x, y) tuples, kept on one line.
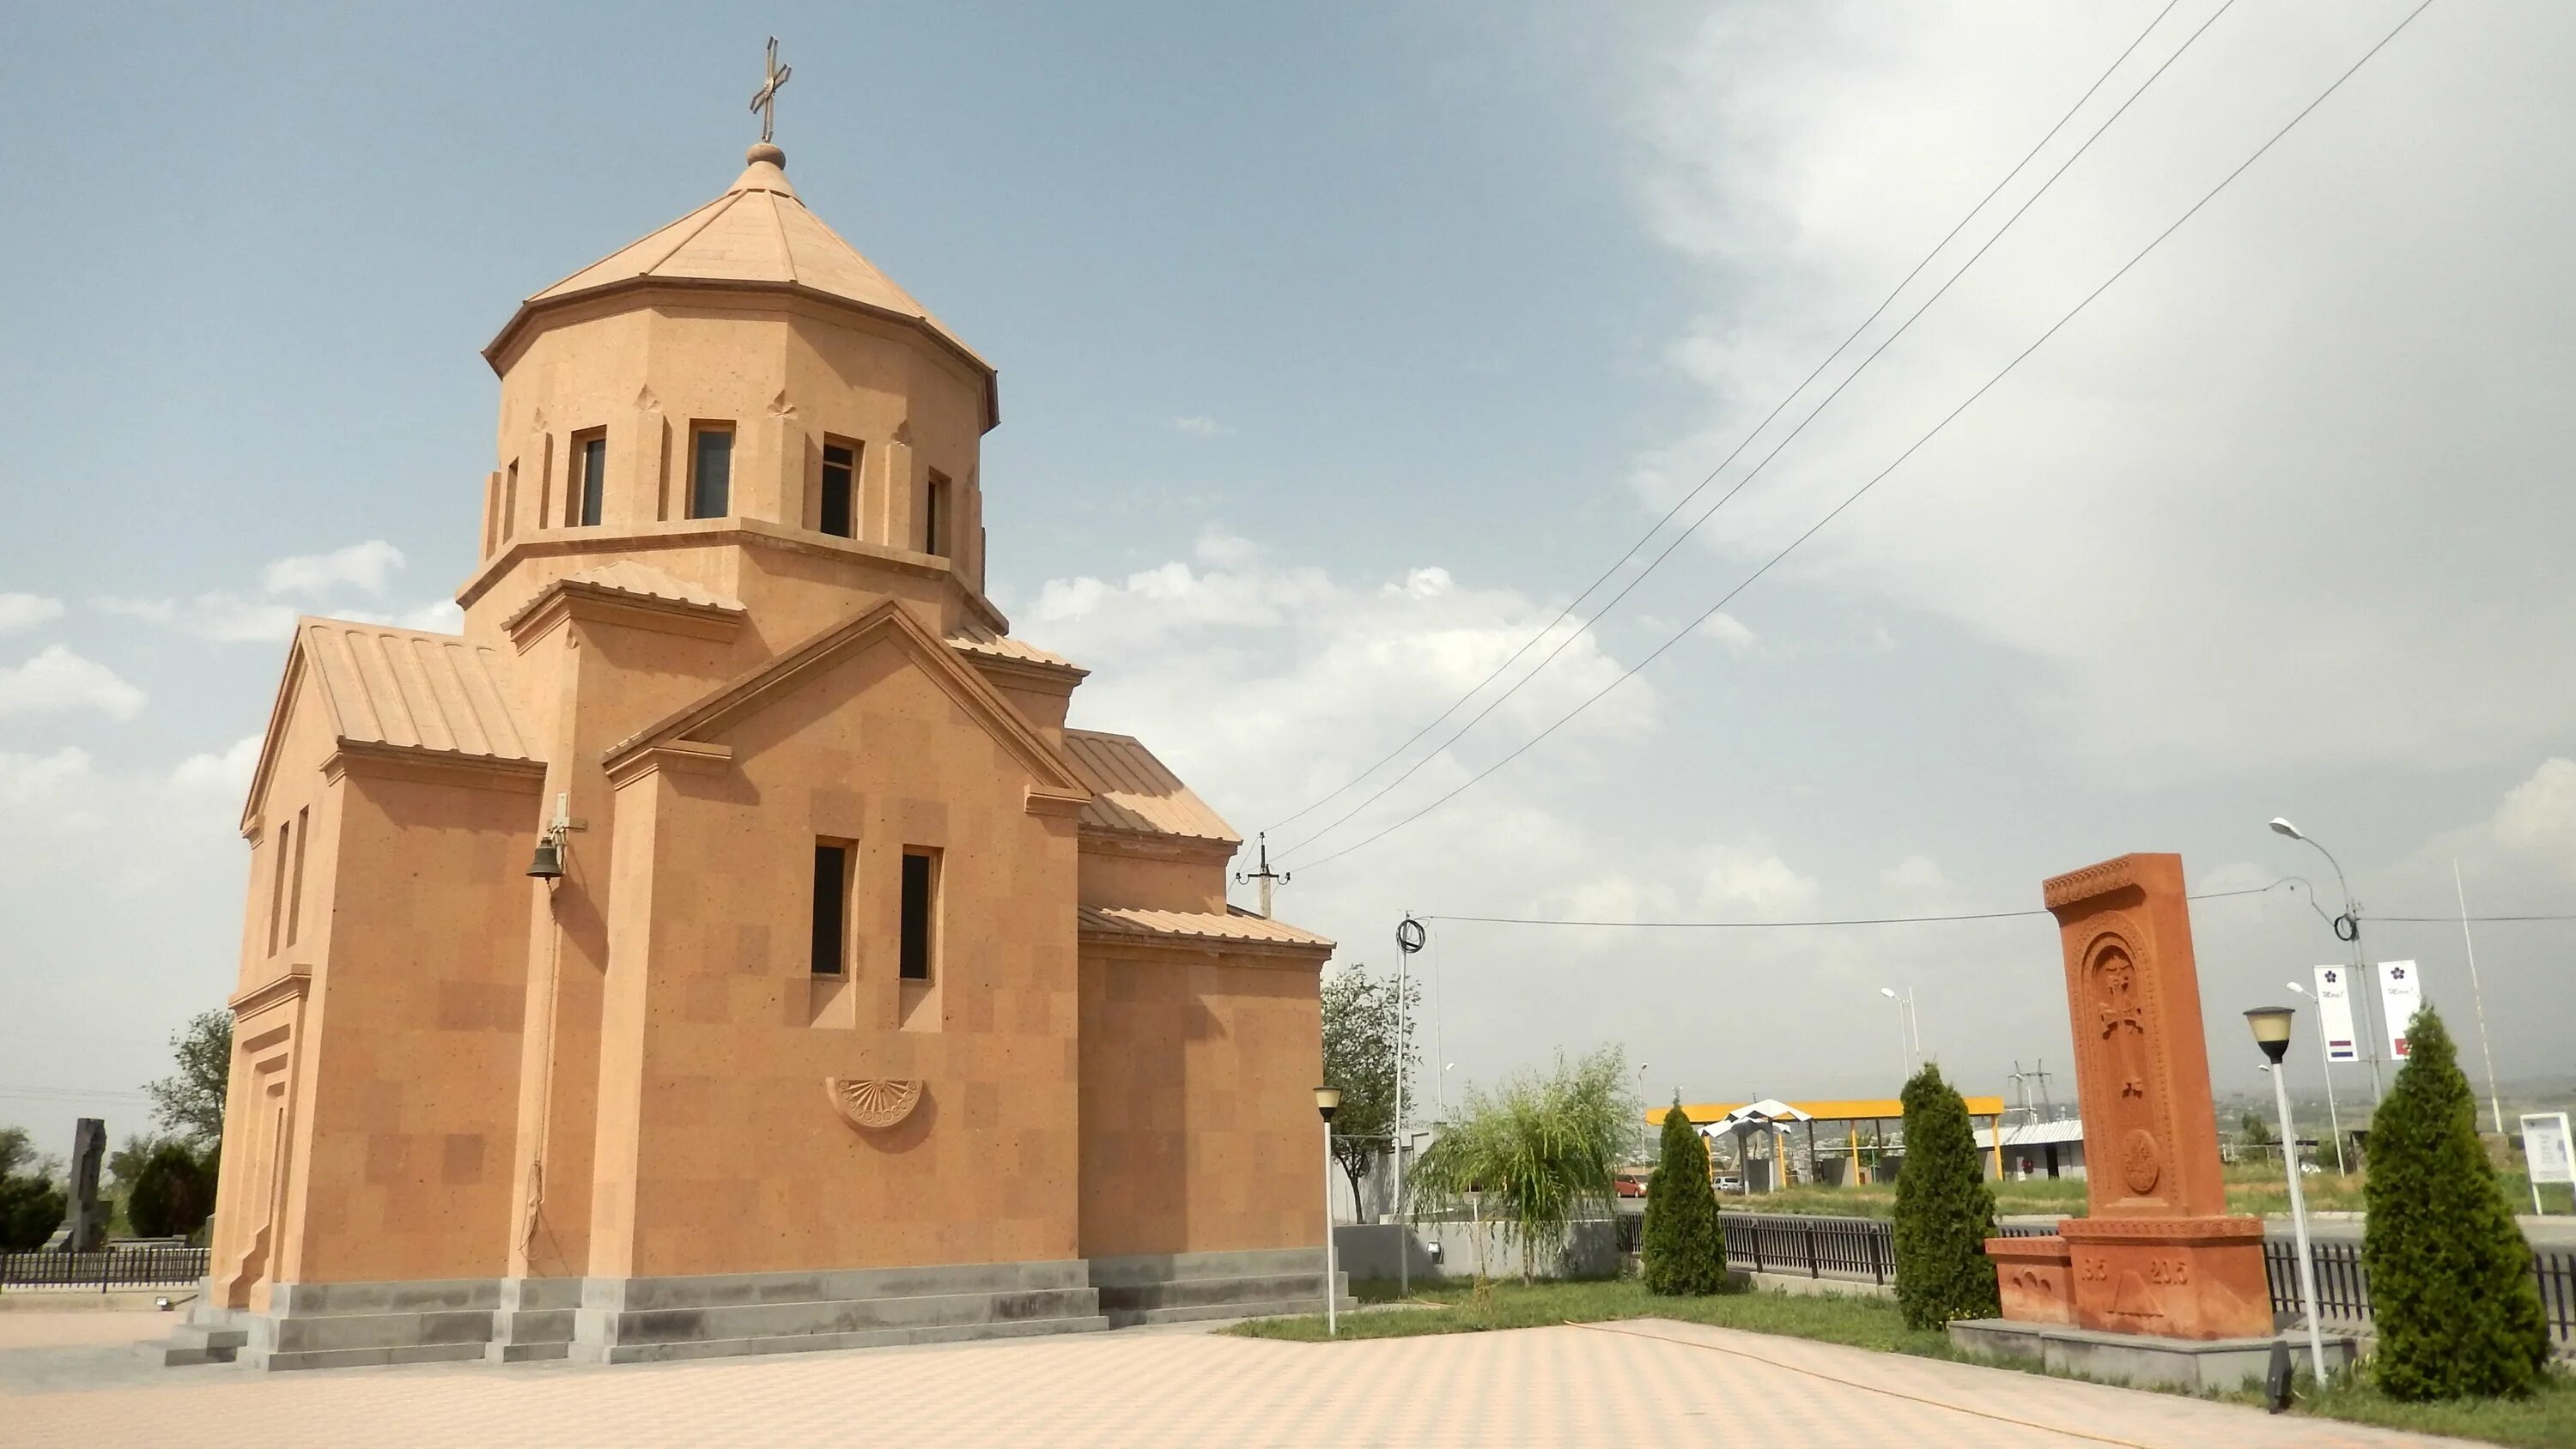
[(548, 864)]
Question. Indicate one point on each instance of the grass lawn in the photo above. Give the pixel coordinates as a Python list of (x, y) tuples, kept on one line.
[(2547, 1420)]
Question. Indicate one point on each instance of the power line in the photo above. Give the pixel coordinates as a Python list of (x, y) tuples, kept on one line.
[(1849, 921), (1711, 511), (1876, 312), (1856, 494)]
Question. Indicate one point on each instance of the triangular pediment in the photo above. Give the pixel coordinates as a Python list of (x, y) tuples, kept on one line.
[(890, 624)]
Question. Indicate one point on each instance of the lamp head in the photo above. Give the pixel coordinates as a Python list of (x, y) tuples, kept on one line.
[(2271, 1026), (1328, 1100), (2294, 986), (1888, 991), (2284, 827)]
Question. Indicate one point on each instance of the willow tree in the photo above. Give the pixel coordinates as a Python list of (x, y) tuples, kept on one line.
[(1539, 1153)]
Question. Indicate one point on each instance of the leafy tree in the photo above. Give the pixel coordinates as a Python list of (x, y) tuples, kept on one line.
[(174, 1192), (190, 1101), (2254, 1129), (1685, 1249), (2451, 1286), (126, 1163), (1944, 1211), (1540, 1152), (31, 1204), (1360, 1057)]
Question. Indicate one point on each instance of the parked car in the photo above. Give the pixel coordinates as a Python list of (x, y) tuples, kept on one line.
[(1730, 1182), (1631, 1186)]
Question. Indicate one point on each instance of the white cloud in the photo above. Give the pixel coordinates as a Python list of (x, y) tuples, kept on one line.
[(1756, 884), (58, 680), (2297, 449), (226, 774), (26, 779), (1732, 634), (221, 617), (1198, 427), (26, 611), (2540, 813), (368, 566), (1918, 873), (232, 618)]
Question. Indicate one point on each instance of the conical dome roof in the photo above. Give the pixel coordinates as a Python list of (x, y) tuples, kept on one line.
[(758, 235)]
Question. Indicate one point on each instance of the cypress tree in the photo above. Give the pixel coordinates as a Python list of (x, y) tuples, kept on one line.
[(1944, 1211), (1683, 1248), (2451, 1288)]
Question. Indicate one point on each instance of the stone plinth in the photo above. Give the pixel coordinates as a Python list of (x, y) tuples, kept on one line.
[(2155, 1252), (2192, 1365)]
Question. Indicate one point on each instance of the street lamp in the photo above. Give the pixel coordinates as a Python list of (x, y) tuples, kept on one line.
[(1909, 1029), (2347, 928), (2325, 1064), (1328, 1100), (2271, 1026)]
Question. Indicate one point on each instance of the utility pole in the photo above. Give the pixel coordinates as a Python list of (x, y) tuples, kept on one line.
[(1265, 875), (2494, 1102), (1409, 936)]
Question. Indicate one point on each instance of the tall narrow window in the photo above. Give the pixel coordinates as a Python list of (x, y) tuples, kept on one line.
[(831, 905), (934, 517), (920, 914), (295, 878), (710, 470), (281, 842), (839, 511), (510, 501), (589, 491)]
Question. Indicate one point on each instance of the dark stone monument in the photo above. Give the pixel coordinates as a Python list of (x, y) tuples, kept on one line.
[(86, 1223)]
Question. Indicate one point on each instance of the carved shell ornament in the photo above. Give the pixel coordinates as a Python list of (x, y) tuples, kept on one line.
[(872, 1103)]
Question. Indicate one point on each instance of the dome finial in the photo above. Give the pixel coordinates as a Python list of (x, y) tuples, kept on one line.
[(765, 101)]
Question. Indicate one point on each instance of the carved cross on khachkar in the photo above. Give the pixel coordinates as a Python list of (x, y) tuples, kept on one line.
[(765, 99)]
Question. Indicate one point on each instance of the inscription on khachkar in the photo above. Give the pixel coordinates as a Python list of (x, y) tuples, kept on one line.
[(2156, 1252)]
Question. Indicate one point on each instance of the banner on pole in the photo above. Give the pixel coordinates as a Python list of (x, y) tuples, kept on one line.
[(2334, 1012), (2400, 996), (2546, 1148)]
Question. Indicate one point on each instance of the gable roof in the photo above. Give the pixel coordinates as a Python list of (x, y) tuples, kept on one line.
[(1132, 792), (975, 638), (398, 689), (888, 622), (1230, 927), (758, 233)]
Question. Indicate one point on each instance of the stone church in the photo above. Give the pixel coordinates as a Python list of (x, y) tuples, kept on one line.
[(724, 945)]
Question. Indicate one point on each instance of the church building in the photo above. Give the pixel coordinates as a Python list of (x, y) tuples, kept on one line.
[(724, 945)]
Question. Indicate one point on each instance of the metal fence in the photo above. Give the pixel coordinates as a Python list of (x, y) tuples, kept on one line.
[(153, 1267), (1864, 1250), (2343, 1286)]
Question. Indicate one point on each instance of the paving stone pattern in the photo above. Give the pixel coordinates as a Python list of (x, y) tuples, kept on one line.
[(1628, 1385)]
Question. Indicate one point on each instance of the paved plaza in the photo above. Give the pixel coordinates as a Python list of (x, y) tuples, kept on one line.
[(83, 1379)]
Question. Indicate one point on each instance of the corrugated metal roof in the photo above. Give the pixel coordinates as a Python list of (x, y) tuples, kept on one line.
[(412, 689), (1131, 790), (1195, 925), (626, 576), (974, 638)]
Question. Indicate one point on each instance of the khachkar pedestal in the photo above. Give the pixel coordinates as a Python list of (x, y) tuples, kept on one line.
[(2156, 1282)]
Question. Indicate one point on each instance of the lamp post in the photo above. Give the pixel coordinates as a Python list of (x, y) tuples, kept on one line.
[(1328, 1100), (2347, 928), (2271, 1026), (1909, 1031), (2325, 1064)]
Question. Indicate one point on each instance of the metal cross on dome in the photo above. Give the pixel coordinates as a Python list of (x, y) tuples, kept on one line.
[(765, 99)]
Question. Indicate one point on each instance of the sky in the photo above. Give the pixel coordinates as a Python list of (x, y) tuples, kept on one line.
[(1342, 346)]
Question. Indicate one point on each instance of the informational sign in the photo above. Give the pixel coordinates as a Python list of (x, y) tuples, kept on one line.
[(2334, 1010), (2401, 995), (2546, 1148)]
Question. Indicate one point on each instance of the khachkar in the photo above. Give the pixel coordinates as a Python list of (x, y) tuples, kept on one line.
[(2156, 1253)]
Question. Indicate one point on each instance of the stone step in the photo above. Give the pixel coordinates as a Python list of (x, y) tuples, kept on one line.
[(819, 1342), (334, 1332), (1212, 1292), (835, 1318), (1202, 1313), (277, 1360), (194, 1344)]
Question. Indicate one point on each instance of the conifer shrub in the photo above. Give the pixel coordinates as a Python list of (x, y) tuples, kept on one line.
[(1944, 1211), (1684, 1249), (174, 1193), (2451, 1290)]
